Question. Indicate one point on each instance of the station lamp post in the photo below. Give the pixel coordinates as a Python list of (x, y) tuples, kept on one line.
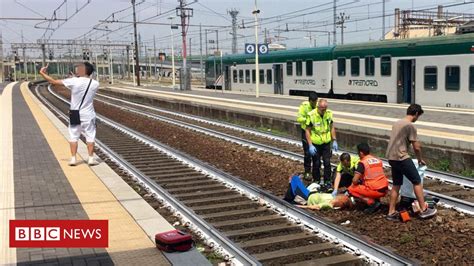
[(133, 60), (172, 52), (255, 12)]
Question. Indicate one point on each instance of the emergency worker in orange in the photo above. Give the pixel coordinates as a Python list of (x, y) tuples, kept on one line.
[(369, 183)]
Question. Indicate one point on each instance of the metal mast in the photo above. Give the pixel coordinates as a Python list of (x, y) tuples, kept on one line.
[(233, 13), (137, 54)]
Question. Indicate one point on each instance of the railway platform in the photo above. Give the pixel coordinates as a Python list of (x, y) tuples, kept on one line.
[(37, 184), (440, 126), (446, 133)]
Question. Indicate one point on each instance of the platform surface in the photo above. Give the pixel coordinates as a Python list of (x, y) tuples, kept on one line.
[(37, 184), (449, 127)]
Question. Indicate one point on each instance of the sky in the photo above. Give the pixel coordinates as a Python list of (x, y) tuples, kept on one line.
[(298, 16)]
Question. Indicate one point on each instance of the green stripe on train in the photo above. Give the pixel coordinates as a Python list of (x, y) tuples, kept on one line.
[(441, 45), (315, 54)]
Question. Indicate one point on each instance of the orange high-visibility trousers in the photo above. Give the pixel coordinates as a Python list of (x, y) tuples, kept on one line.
[(365, 193)]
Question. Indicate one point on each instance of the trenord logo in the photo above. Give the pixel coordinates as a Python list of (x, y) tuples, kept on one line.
[(59, 233)]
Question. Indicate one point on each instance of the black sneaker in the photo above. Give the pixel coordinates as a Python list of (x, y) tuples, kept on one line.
[(428, 213), (394, 217), (373, 208)]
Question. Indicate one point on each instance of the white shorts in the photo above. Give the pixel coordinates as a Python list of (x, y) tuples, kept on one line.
[(86, 127)]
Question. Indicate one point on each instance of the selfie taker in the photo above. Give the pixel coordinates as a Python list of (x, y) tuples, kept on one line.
[(81, 114)]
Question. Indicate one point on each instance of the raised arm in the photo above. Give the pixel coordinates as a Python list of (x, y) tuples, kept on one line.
[(49, 78)]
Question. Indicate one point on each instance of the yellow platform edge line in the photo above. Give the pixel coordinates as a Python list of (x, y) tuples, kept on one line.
[(7, 188), (98, 202)]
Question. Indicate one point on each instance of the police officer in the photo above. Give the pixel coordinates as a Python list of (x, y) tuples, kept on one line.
[(305, 108), (320, 132)]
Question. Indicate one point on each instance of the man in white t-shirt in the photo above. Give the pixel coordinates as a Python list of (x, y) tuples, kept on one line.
[(78, 86)]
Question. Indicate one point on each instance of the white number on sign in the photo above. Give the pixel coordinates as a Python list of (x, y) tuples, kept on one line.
[(250, 48)]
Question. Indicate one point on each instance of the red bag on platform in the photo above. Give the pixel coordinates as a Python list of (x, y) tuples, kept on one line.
[(174, 240)]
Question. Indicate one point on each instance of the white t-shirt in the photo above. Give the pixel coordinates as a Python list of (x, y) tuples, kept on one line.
[(78, 87)]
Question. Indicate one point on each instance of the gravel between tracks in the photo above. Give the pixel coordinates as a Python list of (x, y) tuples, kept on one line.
[(442, 240), (433, 185)]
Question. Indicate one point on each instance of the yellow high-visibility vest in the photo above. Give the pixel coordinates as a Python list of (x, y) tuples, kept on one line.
[(321, 126)]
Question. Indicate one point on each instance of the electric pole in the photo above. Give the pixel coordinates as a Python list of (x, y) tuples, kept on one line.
[(185, 13), (334, 23), (154, 53), (383, 19), (43, 52), (137, 63), (2, 78), (255, 12), (25, 70), (205, 41), (200, 53), (190, 51), (217, 40), (233, 13), (342, 19), (128, 61)]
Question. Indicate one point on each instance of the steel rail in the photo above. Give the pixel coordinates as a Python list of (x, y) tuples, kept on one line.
[(447, 201), (229, 247), (318, 225), (233, 251), (434, 174)]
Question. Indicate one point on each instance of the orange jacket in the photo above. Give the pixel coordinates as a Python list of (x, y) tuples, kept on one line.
[(373, 177)]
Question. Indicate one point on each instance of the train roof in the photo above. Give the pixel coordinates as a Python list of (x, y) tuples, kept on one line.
[(316, 54), (439, 45)]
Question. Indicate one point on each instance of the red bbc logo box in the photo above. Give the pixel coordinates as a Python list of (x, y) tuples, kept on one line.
[(59, 233)]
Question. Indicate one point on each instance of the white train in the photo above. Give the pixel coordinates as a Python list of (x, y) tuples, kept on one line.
[(436, 71)]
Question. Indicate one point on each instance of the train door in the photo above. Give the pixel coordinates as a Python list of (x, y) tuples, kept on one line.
[(278, 79), (406, 81), (227, 78)]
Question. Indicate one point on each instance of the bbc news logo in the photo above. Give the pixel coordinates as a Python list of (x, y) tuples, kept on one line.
[(59, 233)]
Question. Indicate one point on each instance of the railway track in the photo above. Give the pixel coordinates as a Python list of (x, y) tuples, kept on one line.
[(248, 224), (284, 143), (453, 191)]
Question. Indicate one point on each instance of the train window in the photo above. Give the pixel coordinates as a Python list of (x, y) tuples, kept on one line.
[(253, 76), (269, 76), (309, 67), (452, 78), (355, 66), (241, 76), (341, 66), (262, 76), (247, 76), (289, 68), (369, 65), (471, 78), (385, 65), (431, 78), (234, 76), (299, 68)]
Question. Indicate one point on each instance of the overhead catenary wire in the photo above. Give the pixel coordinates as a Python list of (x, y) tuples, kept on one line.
[(271, 22)]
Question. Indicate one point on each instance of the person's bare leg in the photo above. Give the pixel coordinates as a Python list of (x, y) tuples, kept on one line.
[(393, 199), (73, 147), (90, 148), (418, 189)]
